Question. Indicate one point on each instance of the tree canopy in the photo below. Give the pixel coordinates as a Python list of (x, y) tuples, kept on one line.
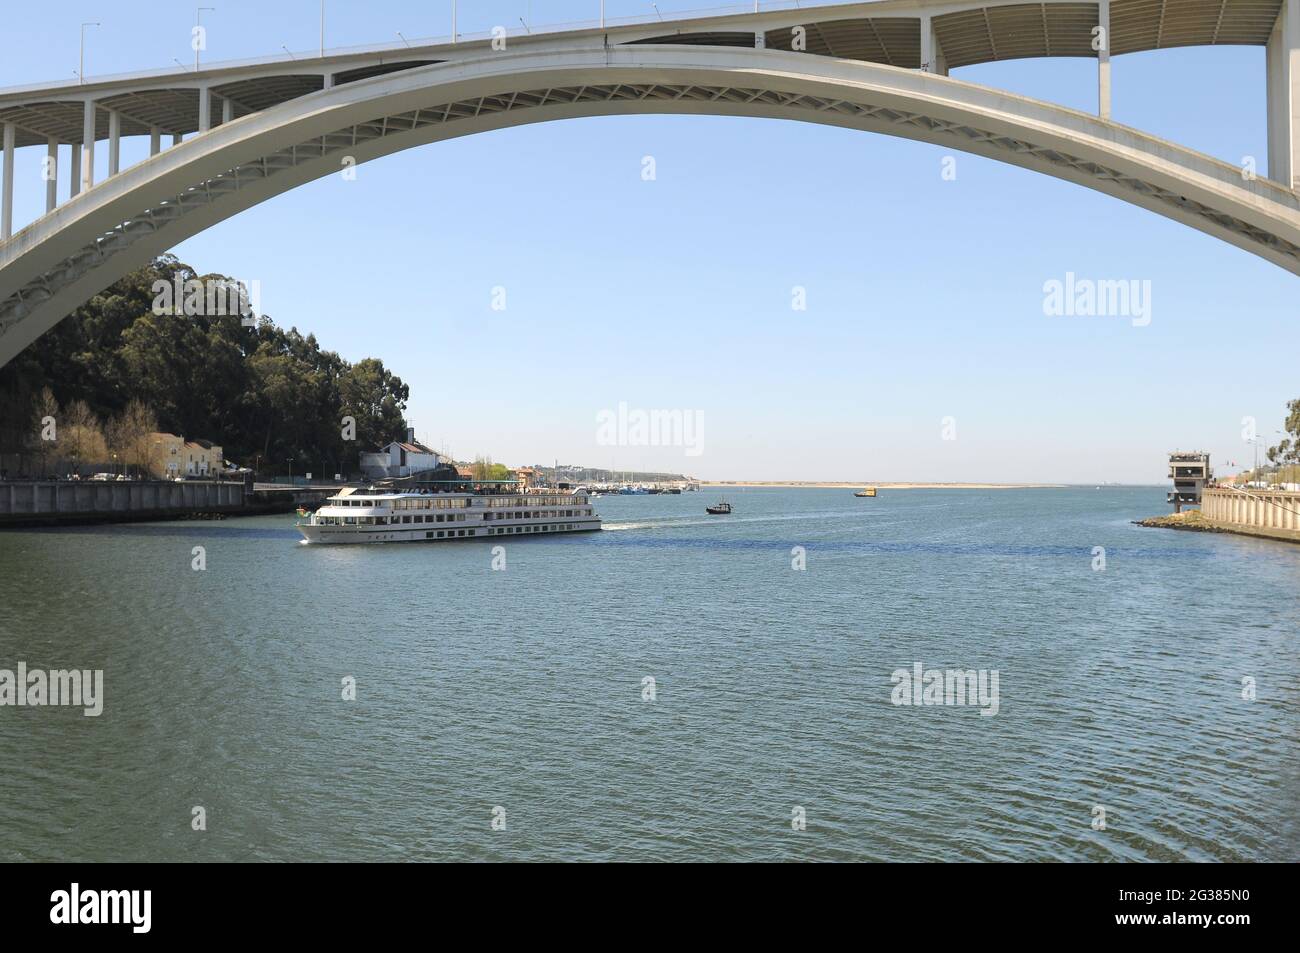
[(263, 393)]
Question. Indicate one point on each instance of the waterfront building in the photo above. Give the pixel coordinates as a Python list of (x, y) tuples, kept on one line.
[(172, 456), (1190, 472), (400, 458)]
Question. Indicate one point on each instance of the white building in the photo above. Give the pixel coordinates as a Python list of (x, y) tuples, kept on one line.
[(400, 458)]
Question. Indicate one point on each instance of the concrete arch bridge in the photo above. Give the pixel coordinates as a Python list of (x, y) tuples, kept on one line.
[(240, 133)]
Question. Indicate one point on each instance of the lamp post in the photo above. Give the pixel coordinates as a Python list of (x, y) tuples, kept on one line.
[(198, 26), (81, 57)]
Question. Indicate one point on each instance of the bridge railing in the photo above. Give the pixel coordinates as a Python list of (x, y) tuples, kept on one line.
[(415, 43)]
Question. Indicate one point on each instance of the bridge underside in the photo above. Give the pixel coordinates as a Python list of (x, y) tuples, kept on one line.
[(266, 128)]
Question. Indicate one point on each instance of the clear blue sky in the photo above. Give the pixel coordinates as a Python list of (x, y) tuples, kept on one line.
[(924, 295)]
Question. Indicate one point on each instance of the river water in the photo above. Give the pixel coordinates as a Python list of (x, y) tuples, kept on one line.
[(508, 713)]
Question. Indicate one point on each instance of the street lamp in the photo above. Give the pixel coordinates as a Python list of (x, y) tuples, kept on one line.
[(198, 27), (81, 58)]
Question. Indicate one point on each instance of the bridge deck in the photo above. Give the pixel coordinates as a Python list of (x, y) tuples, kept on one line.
[(887, 32)]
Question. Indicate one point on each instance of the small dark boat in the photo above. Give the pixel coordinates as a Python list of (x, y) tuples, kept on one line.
[(722, 509)]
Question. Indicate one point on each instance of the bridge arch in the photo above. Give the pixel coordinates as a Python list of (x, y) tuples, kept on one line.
[(64, 258)]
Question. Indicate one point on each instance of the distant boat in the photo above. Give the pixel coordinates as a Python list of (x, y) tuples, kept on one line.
[(722, 509), (866, 491)]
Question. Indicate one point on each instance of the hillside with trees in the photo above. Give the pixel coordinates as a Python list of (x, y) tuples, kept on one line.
[(116, 368)]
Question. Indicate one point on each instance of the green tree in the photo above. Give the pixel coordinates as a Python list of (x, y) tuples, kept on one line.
[(376, 398), (1287, 451), (258, 391)]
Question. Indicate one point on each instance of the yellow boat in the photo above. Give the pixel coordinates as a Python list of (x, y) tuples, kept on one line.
[(866, 491)]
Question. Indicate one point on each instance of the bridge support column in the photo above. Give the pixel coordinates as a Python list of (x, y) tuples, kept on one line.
[(227, 111), (114, 141), (51, 173), (7, 204), (205, 109), (74, 185), (88, 147), (1282, 59), (932, 59), (177, 139), (1103, 59), (155, 140)]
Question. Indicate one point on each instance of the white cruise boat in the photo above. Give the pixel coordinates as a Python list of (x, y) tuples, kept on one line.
[(400, 516)]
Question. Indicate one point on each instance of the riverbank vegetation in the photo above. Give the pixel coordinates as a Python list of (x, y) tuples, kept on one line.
[(118, 367)]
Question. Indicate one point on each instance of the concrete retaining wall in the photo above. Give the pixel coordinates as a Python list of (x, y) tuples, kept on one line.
[(1266, 512), (88, 502)]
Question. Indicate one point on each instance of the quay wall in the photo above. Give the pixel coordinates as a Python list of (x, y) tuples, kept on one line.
[(40, 503), (1273, 513)]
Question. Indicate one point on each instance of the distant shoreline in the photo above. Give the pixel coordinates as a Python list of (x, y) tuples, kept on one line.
[(808, 484)]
